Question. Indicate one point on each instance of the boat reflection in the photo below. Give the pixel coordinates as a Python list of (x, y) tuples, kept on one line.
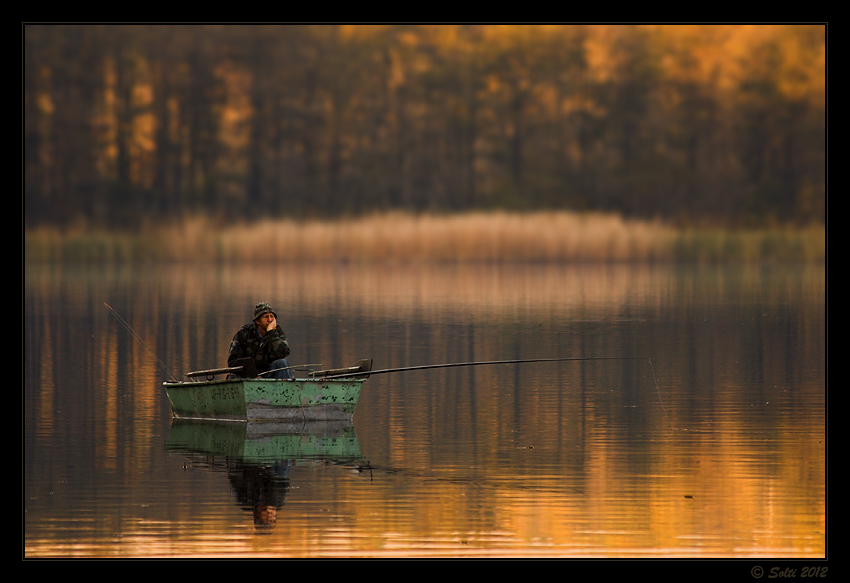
[(257, 457)]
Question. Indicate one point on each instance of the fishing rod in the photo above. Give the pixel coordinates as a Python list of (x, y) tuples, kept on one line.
[(480, 363), (136, 336), (358, 371)]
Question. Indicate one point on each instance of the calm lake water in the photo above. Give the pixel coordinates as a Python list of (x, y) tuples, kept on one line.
[(711, 442)]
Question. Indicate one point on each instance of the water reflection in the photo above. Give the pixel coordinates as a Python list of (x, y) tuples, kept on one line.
[(718, 449), (260, 489), (257, 456)]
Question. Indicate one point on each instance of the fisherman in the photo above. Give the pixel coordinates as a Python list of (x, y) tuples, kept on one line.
[(264, 341)]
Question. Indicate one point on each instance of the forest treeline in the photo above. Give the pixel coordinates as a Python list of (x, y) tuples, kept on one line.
[(126, 124)]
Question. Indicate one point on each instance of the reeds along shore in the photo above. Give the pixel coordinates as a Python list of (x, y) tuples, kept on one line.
[(474, 237)]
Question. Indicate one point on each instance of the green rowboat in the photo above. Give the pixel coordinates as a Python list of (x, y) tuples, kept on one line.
[(323, 396)]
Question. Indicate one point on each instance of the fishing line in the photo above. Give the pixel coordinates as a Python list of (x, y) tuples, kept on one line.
[(136, 336), (658, 392)]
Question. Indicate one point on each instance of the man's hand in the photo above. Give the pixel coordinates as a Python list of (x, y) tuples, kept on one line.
[(266, 322)]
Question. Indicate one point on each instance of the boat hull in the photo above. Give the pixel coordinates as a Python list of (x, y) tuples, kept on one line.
[(264, 399)]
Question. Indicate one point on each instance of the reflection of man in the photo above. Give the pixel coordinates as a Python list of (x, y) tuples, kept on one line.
[(264, 341), (265, 514), (260, 489)]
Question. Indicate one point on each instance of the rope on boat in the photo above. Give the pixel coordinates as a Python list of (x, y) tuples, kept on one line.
[(296, 367)]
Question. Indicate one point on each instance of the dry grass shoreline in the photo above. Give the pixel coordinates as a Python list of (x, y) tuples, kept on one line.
[(545, 237)]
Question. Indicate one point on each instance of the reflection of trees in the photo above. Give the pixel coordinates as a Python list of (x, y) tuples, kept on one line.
[(676, 121)]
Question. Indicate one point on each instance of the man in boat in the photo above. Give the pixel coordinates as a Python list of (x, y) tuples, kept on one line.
[(264, 341)]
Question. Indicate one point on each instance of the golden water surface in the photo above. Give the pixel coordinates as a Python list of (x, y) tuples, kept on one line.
[(709, 441)]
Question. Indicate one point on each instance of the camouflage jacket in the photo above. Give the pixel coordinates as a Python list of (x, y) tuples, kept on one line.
[(248, 342)]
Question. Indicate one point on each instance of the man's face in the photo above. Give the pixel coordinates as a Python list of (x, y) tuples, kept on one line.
[(264, 321)]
